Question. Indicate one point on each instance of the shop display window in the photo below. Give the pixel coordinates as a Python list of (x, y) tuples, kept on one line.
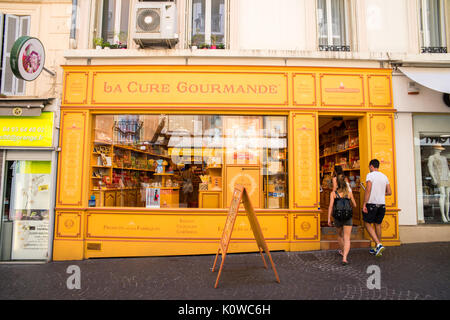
[(187, 161), (435, 161), (26, 207)]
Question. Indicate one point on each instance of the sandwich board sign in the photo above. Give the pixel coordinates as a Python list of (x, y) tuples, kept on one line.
[(241, 194)]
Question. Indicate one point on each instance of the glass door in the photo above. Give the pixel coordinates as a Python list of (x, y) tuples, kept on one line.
[(26, 208)]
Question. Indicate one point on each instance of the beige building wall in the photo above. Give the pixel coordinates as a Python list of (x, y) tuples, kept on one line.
[(50, 23)]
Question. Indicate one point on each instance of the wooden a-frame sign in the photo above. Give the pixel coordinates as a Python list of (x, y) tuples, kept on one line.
[(240, 193)]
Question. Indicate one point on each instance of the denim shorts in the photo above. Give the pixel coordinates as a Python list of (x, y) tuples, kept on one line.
[(341, 223), (375, 213)]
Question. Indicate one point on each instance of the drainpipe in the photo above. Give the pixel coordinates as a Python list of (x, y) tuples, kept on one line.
[(73, 26)]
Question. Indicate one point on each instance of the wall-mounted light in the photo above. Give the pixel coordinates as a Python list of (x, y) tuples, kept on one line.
[(413, 88)]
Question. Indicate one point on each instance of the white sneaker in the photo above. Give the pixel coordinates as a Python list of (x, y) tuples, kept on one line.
[(379, 250)]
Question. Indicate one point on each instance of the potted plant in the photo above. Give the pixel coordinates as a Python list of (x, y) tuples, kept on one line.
[(98, 42), (221, 46), (106, 45), (203, 46), (196, 41), (213, 41), (122, 36)]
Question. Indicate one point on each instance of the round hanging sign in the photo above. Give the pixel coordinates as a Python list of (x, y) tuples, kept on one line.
[(27, 58)]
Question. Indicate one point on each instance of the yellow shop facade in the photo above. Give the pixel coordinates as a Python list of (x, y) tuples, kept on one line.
[(150, 154)]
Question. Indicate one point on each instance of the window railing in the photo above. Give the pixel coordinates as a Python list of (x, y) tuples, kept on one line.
[(333, 48), (433, 49)]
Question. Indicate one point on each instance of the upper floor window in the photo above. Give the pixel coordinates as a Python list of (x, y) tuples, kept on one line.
[(432, 26), (207, 23), (14, 27), (333, 25), (112, 23)]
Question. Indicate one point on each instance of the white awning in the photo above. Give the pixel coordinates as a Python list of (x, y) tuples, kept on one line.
[(437, 79)]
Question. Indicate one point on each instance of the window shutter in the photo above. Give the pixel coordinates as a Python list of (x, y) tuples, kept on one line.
[(24, 30), (1, 35), (10, 35)]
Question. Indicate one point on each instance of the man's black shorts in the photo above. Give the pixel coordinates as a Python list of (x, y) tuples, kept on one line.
[(375, 213)]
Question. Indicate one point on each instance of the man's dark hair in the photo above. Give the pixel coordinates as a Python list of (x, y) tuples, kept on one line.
[(375, 163)]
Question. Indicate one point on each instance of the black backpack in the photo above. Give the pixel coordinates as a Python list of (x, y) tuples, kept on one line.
[(342, 209)]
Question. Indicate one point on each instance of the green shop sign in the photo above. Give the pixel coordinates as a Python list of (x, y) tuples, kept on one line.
[(27, 58)]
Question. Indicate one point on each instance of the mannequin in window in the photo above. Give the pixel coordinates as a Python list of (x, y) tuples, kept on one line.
[(440, 174)]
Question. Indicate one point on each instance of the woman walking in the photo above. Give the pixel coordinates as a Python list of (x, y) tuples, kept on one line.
[(341, 210)]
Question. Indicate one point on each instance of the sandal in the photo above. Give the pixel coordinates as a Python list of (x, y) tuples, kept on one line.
[(344, 263), (339, 252)]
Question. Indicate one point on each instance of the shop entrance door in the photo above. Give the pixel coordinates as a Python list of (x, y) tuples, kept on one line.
[(25, 211), (339, 150)]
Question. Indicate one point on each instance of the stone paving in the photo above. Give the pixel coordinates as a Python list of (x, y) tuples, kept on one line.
[(408, 272)]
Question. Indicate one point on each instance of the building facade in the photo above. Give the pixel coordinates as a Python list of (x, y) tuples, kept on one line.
[(29, 124), (166, 105)]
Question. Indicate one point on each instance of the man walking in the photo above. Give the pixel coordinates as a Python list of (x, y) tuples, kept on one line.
[(377, 187)]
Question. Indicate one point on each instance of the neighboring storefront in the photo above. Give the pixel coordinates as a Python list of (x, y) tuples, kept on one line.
[(424, 147), (28, 161), (432, 158), (149, 154)]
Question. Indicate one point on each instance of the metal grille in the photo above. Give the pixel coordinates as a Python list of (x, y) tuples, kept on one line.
[(148, 20)]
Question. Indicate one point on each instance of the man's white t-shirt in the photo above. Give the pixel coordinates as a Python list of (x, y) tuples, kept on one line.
[(378, 191)]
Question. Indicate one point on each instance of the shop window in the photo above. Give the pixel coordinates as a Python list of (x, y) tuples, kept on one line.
[(172, 161), (333, 25), (11, 28), (26, 206), (112, 23), (208, 20), (432, 26), (435, 160)]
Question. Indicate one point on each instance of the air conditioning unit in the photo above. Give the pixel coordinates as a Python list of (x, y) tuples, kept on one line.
[(155, 23)]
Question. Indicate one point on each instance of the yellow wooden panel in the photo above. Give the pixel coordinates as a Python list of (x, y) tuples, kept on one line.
[(169, 198), (179, 226), (304, 89), (250, 178), (305, 160), (194, 87), (132, 198), (306, 226), (75, 87), (210, 199), (381, 139), (389, 227), (121, 198), (380, 93), (71, 158), (67, 250), (110, 198), (342, 90), (68, 225)]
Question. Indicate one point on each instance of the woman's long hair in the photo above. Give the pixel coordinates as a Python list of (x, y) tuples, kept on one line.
[(337, 171), (342, 185)]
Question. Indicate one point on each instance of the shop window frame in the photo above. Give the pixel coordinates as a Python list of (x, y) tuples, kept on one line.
[(426, 45), (263, 166), (330, 46), (21, 27), (208, 34), (118, 38)]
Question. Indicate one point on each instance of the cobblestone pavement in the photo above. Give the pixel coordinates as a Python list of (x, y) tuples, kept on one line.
[(408, 272)]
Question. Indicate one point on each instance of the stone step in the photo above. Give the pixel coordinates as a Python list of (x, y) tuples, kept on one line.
[(333, 245), (330, 233)]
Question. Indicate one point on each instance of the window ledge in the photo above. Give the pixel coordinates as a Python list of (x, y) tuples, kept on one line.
[(255, 54)]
